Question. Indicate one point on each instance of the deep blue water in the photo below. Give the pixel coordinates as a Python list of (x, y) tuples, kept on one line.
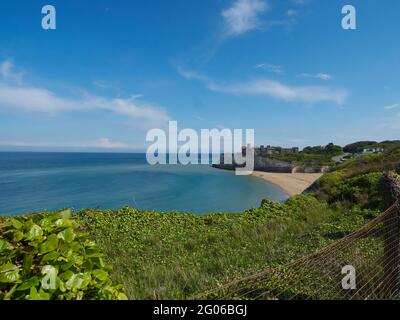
[(31, 182)]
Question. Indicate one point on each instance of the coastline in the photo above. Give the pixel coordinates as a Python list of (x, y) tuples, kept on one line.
[(291, 183)]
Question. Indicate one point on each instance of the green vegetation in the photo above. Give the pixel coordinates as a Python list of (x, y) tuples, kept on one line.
[(388, 146), (312, 156), (45, 257), (358, 146), (356, 181), (329, 149), (174, 255)]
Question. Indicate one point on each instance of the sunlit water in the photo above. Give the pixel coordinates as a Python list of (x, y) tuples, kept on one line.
[(31, 182)]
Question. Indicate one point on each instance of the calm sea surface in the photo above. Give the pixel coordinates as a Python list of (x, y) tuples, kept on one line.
[(31, 182)]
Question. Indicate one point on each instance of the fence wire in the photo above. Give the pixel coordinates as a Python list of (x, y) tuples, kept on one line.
[(373, 252)]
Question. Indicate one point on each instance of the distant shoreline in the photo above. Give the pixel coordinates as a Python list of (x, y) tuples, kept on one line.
[(291, 183)]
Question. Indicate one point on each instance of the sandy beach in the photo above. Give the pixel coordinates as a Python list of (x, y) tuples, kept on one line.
[(292, 183)]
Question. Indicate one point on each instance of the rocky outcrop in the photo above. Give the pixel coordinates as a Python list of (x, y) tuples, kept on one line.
[(272, 165), (268, 164)]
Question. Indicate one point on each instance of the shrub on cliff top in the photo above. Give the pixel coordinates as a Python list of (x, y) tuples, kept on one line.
[(44, 256)]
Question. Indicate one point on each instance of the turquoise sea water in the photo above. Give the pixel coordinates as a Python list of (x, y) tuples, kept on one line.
[(31, 182)]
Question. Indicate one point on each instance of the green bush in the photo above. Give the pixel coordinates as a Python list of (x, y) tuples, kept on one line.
[(361, 190), (369, 163), (45, 256)]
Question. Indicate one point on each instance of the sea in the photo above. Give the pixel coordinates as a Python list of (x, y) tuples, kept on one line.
[(39, 181)]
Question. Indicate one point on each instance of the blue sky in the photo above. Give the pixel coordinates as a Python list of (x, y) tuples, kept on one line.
[(114, 69)]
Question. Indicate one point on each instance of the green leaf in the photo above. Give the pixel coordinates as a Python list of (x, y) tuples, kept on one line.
[(122, 296), (27, 263), (9, 273), (68, 235), (61, 285), (35, 295), (63, 223), (100, 274), (7, 266), (66, 275), (49, 245), (3, 245), (18, 236), (27, 284), (98, 262), (66, 266), (50, 256), (78, 281), (16, 224), (66, 213), (35, 232)]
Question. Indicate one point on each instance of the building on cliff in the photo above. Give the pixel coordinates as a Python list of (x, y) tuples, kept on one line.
[(269, 151), (264, 161)]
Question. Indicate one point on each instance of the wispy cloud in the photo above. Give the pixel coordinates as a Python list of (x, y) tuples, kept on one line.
[(8, 73), (291, 13), (282, 91), (101, 143), (300, 2), (392, 106), (108, 144), (270, 67), (320, 76), (243, 16), (271, 88), (37, 99), (102, 84), (192, 74)]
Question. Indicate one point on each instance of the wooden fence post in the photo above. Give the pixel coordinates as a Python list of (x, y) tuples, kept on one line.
[(390, 189)]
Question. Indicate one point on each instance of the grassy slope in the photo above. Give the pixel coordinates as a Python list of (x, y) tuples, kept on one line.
[(169, 256)]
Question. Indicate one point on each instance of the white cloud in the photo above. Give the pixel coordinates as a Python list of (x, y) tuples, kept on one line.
[(299, 2), (291, 13), (320, 76), (191, 74), (281, 91), (101, 143), (102, 84), (35, 99), (108, 144), (243, 16), (271, 88), (270, 67), (7, 72), (393, 106)]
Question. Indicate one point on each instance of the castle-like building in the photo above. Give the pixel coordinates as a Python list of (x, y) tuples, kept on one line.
[(269, 151), (264, 160)]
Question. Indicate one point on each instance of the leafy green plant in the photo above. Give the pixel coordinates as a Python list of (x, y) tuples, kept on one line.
[(45, 256)]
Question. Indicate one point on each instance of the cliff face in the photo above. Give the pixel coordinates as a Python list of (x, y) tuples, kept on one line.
[(271, 165), (261, 164), (268, 164)]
